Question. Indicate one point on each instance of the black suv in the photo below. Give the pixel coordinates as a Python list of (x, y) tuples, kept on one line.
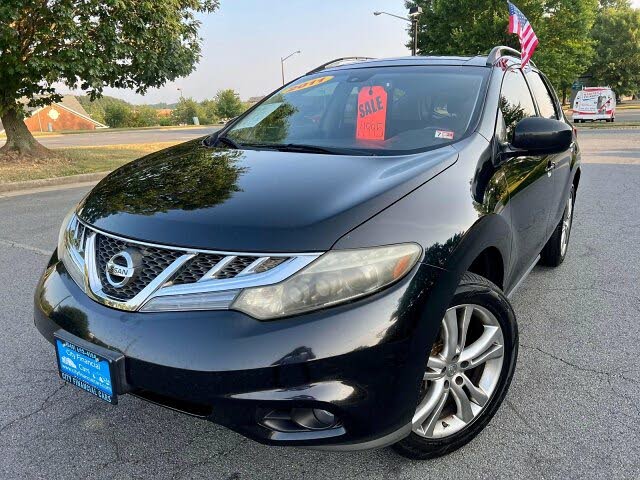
[(332, 268)]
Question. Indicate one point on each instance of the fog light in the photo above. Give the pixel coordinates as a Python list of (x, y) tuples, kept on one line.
[(313, 418)]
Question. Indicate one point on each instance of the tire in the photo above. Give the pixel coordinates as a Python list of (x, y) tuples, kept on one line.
[(555, 251), (490, 309)]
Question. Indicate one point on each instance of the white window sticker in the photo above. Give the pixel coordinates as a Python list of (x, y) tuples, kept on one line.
[(448, 134)]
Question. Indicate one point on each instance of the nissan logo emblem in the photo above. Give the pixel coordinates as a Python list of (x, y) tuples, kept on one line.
[(121, 268)]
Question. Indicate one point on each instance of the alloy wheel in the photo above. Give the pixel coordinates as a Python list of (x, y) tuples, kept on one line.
[(462, 373), (567, 218)]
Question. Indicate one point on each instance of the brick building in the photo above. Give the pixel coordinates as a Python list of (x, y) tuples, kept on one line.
[(65, 115)]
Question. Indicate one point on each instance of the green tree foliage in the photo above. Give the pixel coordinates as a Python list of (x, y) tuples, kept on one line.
[(470, 28), (118, 115), (617, 59), (96, 107), (228, 104), (145, 116), (90, 44), (184, 112), (209, 112)]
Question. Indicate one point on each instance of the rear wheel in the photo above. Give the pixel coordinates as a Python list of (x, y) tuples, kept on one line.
[(555, 251), (468, 371)]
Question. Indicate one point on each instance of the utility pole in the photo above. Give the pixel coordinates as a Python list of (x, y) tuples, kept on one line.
[(414, 13), (282, 60)]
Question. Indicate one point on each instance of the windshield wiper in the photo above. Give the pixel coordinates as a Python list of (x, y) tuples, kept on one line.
[(292, 147), (295, 147), (226, 140)]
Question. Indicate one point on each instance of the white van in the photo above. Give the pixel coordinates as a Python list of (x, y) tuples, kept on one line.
[(594, 103)]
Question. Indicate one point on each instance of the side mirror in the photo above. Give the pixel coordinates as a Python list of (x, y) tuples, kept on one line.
[(541, 136)]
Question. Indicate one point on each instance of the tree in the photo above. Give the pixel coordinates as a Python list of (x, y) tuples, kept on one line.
[(118, 115), (209, 111), (186, 109), (471, 28), (89, 44), (228, 104), (145, 116), (617, 54)]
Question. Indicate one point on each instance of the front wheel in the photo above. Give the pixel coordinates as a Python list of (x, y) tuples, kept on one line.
[(468, 371)]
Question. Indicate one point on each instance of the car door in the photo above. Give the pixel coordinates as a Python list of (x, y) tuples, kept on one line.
[(529, 183), (559, 164)]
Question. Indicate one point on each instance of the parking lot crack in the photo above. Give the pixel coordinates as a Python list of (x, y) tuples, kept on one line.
[(579, 367), (12, 244), (41, 408)]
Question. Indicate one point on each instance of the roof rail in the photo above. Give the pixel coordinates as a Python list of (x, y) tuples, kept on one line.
[(499, 51), (338, 61)]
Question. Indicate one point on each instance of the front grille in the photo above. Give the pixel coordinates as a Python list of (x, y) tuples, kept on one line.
[(196, 268), (154, 261), (269, 264), (235, 267)]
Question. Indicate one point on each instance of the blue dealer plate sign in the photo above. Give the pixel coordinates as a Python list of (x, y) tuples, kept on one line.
[(86, 370)]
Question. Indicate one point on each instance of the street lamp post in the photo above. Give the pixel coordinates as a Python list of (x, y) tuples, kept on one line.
[(282, 59), (180, 90), (414, 13)]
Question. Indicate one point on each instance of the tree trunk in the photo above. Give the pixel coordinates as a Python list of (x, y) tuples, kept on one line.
[(20, 142)]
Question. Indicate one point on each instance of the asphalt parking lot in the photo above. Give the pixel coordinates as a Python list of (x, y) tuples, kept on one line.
[(573, 410)]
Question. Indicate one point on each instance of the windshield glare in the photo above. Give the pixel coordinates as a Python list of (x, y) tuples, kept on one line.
[(390, 110)]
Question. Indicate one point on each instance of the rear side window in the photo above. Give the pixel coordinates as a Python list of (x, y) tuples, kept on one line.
[(543, 96), (515, 100)]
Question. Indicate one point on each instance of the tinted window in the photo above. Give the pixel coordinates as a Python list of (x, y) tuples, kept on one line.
[(543, 97), (388, 110), (515, 100)]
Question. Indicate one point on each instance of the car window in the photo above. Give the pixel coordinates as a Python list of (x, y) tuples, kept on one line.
[(546, 105), (515, 100), (376, 110)]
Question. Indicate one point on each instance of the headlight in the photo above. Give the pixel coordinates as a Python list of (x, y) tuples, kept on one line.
[(71, 246), (335, 277)]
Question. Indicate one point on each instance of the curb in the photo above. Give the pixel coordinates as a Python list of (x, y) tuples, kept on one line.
[(52, 182)]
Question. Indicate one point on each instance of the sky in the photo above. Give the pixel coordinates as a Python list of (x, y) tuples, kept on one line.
[(244, 40)]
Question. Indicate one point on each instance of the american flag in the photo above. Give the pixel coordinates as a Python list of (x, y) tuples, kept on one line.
[(519, 24)]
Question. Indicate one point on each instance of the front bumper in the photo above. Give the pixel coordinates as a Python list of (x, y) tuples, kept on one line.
[(363, 361)]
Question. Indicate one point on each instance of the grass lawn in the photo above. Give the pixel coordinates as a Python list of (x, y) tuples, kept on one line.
[(78, 160)]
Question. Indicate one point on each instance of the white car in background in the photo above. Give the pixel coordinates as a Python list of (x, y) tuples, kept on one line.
[(594, 103)]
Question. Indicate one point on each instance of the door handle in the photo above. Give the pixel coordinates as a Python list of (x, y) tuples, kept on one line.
[(550, 167)]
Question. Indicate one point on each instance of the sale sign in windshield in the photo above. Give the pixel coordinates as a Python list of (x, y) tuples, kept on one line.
[(372, 113)]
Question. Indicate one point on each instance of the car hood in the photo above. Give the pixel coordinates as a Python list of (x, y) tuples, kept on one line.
[(252, 201)]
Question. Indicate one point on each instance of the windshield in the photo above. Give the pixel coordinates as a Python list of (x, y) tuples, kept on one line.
[(381, 111)]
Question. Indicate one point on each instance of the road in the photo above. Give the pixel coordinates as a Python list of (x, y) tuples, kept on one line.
[(124, 137), (572, 411)]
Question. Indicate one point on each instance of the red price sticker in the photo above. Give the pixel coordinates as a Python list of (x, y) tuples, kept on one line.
[(372, 113)]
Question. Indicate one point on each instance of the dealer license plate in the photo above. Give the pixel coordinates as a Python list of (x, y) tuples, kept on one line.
[(87, 370)]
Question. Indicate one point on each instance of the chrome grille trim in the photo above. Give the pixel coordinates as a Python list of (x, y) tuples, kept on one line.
[(201, 250), (234, 271), (210, 275), (253, 266)]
